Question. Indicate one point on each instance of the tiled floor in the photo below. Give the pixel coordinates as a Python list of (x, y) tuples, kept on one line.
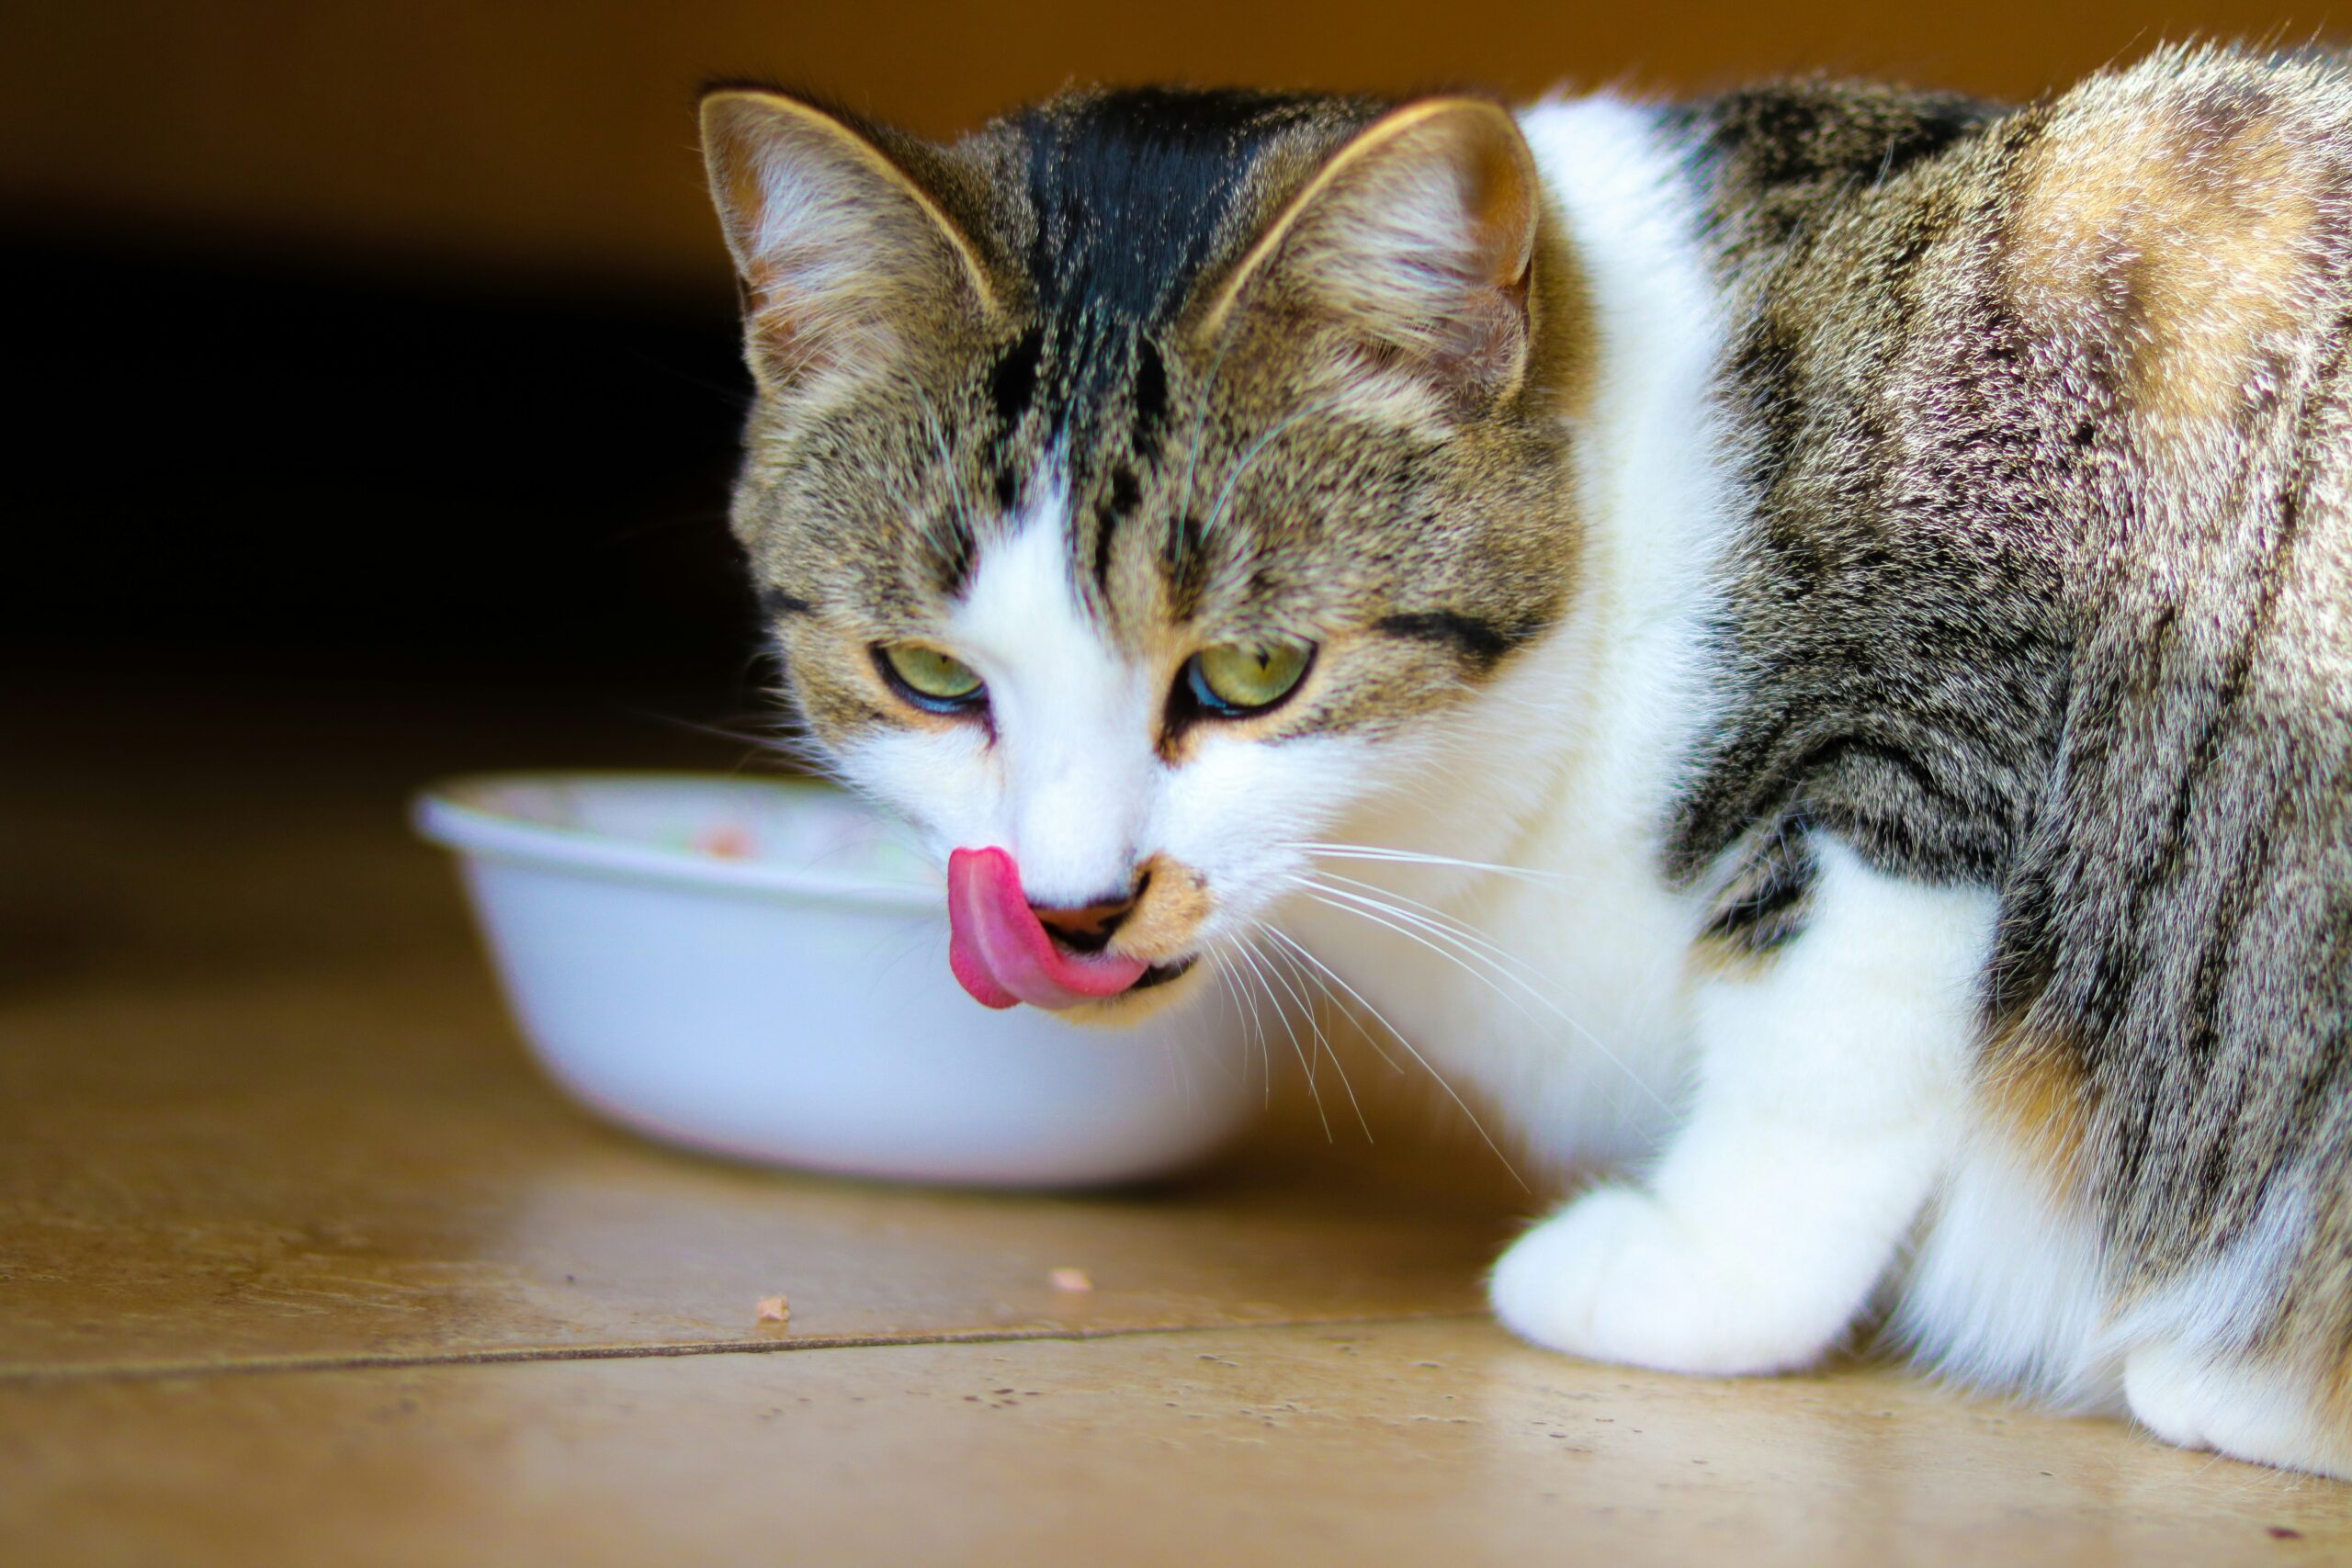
[(301, 1261)]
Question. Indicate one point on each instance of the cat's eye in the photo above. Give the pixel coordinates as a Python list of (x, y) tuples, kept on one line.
[(1231, 678), (928, 678)]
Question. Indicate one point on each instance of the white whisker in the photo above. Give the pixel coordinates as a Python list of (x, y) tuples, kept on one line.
[(1411, 857), (1313, 1091), (1299, 951), (1323, 1045), (1257, 1021), (1258, 449), (1410, 1049), (1365, 906)]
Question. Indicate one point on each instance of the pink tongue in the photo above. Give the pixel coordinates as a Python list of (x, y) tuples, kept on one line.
[(999, 951)]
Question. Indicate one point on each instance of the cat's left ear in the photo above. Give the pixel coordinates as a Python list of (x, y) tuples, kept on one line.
[(1420, 232), (844, 255)]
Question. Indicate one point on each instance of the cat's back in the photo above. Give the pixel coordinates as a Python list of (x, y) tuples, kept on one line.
[(2152, 264), (2048, 588), (2173, 255), (2036, 401), (2172, 247)]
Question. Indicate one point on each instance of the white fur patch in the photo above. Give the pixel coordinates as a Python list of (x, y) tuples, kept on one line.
[(2008, 1290), (1830, 1100), (1555, 995), (1075, 720)]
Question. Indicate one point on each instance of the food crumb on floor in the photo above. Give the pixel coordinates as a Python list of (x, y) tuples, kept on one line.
[(1071, 1280), (775, 1309)]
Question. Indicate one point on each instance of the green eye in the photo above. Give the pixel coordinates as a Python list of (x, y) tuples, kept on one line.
[(1241, 677), (927, 677)]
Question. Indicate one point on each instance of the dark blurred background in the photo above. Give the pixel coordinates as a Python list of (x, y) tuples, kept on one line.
[(372, 345)]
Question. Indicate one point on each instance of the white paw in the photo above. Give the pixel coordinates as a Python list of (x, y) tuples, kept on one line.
[(2249, 1412), (1617, 1277)]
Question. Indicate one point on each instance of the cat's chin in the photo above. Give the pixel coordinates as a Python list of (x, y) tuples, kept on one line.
[(1147, 999)]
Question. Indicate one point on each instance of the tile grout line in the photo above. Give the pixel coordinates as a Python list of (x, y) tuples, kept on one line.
[(25, 1377)]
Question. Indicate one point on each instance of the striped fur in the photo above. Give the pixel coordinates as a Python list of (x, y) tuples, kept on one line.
[(1884, 558)]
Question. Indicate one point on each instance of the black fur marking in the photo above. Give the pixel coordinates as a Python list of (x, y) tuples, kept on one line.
[(1888, 760), (955, 556), (1784, 147), (1151, 396), (1008, 489), (1013, 382), (1132, 193), (776, 605), (1131, 189), (1185, 561), (1124, 494), (1134, 185), (1765, 906), (1124, 491), (1801, 134), (1481, 642), (1942, 120), (1763, 366)]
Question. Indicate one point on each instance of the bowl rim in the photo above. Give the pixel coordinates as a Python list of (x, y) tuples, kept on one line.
[(448, 812)]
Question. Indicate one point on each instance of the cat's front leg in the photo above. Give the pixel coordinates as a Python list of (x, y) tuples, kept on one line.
[(1830, 1095)]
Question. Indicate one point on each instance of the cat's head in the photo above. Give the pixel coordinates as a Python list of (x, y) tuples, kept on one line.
[(1137, 485)]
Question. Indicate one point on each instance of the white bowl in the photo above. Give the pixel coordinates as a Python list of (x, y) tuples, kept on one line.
[(759, 968)]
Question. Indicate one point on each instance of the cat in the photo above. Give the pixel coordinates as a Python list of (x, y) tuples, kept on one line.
[(1798, 642)]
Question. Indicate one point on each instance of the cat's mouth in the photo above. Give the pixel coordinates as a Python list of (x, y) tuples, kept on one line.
[(1004, 955), (1160, 974)]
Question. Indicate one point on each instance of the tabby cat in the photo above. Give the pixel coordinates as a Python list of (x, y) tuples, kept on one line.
[(1800, 642)]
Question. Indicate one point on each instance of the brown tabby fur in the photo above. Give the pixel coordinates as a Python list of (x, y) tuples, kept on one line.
[(2051, 587), (2047, 583)]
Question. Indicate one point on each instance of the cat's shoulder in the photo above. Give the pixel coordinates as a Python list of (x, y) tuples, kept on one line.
[(2191, 143)]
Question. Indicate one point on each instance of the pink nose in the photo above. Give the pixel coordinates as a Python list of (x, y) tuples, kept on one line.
[(1002, 952)]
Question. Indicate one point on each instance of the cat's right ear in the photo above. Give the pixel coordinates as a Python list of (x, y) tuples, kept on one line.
[(843, 256), (1421, 236)]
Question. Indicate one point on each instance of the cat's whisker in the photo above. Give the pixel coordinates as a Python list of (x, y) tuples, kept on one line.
[(961, 498), (1430, 917), (1425, 917), (1235, 967), (1201, 419), (762, 741), (1409, 934), (1461, 931), (755, 746), (1426, 1065), (1258, 449), (1313, 1091), (1226, 986), (1318, 971), (1501, 959), (1322, 1041), (1368, 908), (1413, 857)]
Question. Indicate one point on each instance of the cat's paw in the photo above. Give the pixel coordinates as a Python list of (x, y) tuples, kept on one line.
[(2246, 1411), (1618, 1277)]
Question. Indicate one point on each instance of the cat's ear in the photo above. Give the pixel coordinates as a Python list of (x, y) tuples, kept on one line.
[(842, 254), (1421, 233)]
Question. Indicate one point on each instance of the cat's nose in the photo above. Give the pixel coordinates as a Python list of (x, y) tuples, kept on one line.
[(1087, 928)]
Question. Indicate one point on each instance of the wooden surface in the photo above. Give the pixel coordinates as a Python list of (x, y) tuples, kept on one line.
[(300, 1262), (1391, 1442)]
